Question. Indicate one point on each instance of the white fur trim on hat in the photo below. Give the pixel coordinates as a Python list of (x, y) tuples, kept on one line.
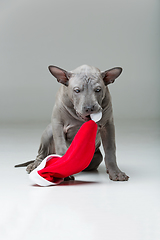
[(37, 179)]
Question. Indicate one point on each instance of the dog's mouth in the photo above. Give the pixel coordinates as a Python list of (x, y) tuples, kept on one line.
[(94, 116), (85, 118)]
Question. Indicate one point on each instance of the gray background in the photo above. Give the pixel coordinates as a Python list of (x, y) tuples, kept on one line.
[(69, 33)]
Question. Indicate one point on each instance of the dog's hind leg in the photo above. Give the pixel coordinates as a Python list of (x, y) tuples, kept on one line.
[(46, 148)]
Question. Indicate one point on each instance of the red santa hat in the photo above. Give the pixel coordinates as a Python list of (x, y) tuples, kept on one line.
[(54, 168)]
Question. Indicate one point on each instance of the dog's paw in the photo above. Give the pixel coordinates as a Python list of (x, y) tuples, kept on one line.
[(70, 178), (118, 176), (32, 166)]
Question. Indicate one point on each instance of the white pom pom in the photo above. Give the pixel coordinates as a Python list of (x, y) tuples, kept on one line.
[(96, 116)]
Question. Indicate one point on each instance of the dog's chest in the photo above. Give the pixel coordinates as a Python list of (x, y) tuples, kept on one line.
[(70, 131)]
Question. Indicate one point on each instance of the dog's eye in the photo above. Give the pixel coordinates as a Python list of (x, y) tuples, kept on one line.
[(97, 89), (77, 90)]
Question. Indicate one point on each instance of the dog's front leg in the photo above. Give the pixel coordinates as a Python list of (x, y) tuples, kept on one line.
[(108, 140), (59, 137)]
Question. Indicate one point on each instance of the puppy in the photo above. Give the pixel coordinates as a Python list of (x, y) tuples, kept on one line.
[(84, 91)]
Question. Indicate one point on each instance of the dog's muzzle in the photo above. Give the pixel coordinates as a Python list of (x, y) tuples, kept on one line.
[(93, 116)]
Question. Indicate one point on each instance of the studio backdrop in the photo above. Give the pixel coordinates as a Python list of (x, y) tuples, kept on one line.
[(70, 33)]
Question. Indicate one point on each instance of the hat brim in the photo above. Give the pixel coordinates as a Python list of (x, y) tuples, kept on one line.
[(38, 179)]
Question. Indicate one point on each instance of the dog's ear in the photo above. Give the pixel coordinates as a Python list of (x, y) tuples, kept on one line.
[(110, 75), (61, 74)]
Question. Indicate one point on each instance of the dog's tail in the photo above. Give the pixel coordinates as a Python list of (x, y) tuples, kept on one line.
[(24, 164)]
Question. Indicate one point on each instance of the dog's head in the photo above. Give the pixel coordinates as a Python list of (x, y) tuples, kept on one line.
[(86, 87)]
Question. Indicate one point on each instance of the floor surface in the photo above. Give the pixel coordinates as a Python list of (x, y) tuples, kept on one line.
[(90, 208)]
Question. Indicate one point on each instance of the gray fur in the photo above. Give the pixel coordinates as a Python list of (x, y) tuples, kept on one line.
[(83, 91)]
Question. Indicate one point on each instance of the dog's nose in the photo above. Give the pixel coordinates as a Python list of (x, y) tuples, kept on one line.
[(89, 109)]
